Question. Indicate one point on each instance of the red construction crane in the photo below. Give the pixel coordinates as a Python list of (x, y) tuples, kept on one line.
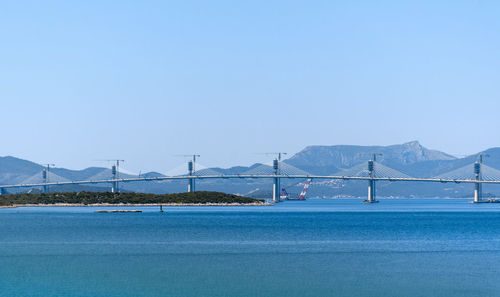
[(302, 195)]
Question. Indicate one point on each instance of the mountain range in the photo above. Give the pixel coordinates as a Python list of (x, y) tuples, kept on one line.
[(409, 159)]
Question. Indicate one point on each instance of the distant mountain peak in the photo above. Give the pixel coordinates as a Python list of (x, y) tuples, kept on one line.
[(414, 143), (329, 159)]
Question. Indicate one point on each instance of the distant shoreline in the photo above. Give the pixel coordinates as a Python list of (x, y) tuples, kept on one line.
[(133, 204)]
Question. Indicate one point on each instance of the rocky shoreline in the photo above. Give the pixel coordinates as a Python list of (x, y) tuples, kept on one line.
[(134, 204), (200, 198)]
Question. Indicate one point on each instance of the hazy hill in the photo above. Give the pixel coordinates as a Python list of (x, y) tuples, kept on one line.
[(18, 171), (331, 159), (410, 158), (14, 170)]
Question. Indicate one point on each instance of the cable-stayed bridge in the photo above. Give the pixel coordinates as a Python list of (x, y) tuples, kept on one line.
[(475, 173)]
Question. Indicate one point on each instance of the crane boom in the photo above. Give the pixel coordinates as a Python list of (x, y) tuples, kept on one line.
[(302, 195)]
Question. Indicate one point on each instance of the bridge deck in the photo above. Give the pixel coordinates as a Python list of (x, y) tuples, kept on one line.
[(252, 176)]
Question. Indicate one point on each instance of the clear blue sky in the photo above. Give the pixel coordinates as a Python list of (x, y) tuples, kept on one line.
[(146, 80)]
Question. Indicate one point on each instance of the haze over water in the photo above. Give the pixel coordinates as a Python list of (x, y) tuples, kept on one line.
[(341, 247)]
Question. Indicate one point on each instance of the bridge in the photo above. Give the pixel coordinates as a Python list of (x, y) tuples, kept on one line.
[(476, 173)]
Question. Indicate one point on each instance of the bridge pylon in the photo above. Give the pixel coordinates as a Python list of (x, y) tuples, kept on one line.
[(45, 180), (114, 185), (477, 186), (371, 183), (276, 181), (191, 183)]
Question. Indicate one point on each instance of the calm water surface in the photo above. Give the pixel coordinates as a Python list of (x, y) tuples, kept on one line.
[(341, 247)]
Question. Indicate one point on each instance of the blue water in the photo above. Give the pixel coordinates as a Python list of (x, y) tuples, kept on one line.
[(341, 247)]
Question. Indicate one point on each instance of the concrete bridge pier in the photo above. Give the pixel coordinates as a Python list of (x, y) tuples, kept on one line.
[(191, 184), (276, 189), (477, 186), (371, 184), (45, 180), (114, 185), (276, 182), (371, 191)]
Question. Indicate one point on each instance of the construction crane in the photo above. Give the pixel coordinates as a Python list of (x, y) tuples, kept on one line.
[(373, 155), (276, 168), (45, 176), (278, 154), (115, 172), (115, 169), (284, 194), (302, 195), (191, 171), (192, 168)]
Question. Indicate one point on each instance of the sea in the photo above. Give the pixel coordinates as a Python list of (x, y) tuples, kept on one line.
[(317, 247)]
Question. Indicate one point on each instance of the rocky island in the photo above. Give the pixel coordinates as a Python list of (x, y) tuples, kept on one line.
[(127, 198)]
